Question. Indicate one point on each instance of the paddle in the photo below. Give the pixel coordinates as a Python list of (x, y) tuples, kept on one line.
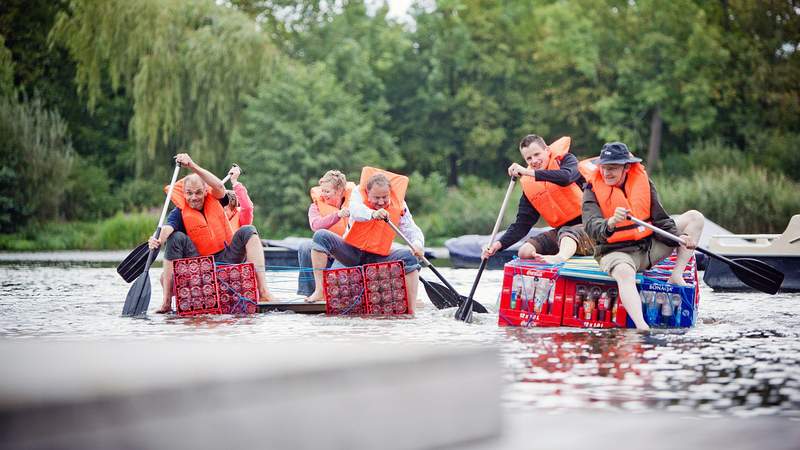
[(754, 273), (464, 312), (138, 298), (439, 296), (131, 267)]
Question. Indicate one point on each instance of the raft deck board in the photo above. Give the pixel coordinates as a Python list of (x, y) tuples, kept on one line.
[(300, 307)]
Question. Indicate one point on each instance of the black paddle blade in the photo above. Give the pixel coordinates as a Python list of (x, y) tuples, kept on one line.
[(441, 298), (138, 298), (758, 274), (451, 298), (133, 265)]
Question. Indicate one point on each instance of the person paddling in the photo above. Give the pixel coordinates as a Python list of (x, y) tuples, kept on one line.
[(329, 210), (240, 208), (198, 226), (379, 196), (619, 187), (551, 189)]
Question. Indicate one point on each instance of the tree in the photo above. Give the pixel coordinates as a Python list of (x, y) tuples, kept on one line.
[(186, 64), (299, 125)]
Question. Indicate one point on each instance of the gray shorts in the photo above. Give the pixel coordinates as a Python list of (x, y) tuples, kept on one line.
[(639, 260), (180, 246)]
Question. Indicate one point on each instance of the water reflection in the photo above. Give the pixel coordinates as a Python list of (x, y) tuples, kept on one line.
[(741, 359)]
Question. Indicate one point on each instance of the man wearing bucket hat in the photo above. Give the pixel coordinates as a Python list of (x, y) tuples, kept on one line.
[(618, 188)]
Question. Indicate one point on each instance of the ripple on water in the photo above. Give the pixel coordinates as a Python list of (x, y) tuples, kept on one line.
[(742, 359)]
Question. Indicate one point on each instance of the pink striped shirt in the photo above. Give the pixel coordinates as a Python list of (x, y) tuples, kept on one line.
[(319, 222)]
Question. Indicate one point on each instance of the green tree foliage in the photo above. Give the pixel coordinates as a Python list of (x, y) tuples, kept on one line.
[(187, 65), (301, 124), (6, 69), (36, 157)]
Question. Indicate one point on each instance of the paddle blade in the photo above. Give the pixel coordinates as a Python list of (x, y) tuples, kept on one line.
[(441, 298), (138, 297), (133, 265), (758, 275)]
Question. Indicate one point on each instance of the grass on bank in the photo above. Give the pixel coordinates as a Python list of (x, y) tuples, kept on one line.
[(743, 200)]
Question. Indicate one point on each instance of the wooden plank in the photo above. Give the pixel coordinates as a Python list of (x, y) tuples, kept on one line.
[(297, 307)]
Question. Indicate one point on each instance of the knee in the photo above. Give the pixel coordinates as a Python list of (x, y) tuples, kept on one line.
[(693, 216), (527, 251), (623, 272), (321, 236)]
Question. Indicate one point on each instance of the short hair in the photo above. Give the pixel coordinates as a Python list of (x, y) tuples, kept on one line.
[(193, 179), (232, 199), (335, 178), (377, 179), (532, 139)]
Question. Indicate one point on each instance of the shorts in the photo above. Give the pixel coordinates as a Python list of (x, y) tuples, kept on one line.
[(547, 243), (180, 246), (640, 259)]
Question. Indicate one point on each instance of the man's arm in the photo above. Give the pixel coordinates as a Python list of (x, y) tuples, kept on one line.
[(527, 216), (594, 223), (359, 212), (174, 222), (217, 188), (566, 174), (410, 229)]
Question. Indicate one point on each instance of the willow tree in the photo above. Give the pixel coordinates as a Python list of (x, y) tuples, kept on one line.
[(186, 63)]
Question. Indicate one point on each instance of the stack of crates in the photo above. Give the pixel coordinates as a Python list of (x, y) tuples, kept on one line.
[(372, 289), (580, 295), (238, 288), (195, 285), (344, 291)]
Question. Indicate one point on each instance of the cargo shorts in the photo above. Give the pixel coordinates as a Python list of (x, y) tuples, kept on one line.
[(640, 260)]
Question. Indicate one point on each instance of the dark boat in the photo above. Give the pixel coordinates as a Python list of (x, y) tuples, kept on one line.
[(465, 251), (781, 251)]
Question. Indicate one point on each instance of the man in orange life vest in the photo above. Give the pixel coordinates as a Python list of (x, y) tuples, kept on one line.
[(198, 226), (329, 210), (621, 186), (552, 188), (378, 197)]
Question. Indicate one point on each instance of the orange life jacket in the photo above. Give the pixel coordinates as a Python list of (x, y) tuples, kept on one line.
[(325, 209), (209, 229), (376, 236), (557, 204), (588, 167), (234, 220), (636, 199)]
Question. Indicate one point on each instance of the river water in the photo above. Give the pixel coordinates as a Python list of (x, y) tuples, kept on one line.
[(742, 358)]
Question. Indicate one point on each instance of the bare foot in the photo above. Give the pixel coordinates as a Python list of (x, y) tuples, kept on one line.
[(315, 297), (552, 259), (165, 308), (677, 280), (265, 296)]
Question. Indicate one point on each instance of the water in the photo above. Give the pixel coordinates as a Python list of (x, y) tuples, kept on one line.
[(742, 359)]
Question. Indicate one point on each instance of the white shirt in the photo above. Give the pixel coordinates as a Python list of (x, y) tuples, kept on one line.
[(360, 212)]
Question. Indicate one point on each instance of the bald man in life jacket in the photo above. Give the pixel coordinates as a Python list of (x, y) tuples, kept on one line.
[(552, 189), (620, 186), (198, 226), (380, 196)]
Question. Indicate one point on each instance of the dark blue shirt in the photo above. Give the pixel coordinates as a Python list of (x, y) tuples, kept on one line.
[(175, 219)]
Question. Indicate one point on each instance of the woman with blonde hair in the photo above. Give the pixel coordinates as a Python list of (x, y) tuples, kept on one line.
[(328, 211)]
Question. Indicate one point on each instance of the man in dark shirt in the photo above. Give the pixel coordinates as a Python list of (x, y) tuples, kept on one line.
[(198, 192), (619, 187), (552, 189)]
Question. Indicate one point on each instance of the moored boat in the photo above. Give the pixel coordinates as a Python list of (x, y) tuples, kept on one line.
[(781, 251)]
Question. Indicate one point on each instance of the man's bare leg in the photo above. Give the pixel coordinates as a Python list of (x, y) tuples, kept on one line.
[(527, 251), (319, 260), (690, 223), (166, 284), (566, 249), (626, 280), (412, 285), (255, 254)]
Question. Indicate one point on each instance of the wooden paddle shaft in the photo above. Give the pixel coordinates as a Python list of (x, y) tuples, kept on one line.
[(502, 210), (228, 176)]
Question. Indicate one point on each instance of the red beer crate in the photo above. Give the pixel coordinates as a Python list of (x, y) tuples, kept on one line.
[(532, 295), (592, 304), (386, 291), (344, 291), (195, 286), (238, 288)]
